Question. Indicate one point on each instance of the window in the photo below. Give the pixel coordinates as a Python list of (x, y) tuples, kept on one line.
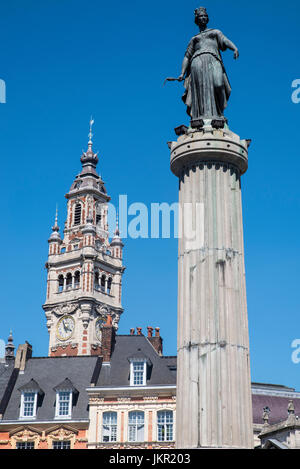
[(61, 445), (60, 283), (77, 214), (109, 428), (165, 425), (138, 373), (63, 404), (69, 281), (136, 426), (96, 281), (62, 250), (109, 282), (25, 445), (77, 279), (28, 404), (75, 247), (103, 281)]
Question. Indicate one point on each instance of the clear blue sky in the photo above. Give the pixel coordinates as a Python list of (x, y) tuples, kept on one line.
[(63, 60)]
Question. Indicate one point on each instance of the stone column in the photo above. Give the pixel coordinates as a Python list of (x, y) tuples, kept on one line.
[(213, 407)]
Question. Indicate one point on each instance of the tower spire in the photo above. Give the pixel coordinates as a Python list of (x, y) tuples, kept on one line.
[(10, 348), (55, 236), (89, 158)]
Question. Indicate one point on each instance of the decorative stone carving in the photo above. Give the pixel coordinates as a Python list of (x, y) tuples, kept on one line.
[(66, 308)]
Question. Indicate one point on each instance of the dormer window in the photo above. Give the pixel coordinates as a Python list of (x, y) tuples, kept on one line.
[(29, 400), (138, 373), (64, 404), (140, 365), (65, 393), (28, 404)]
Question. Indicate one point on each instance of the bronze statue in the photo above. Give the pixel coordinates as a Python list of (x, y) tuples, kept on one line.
[(207, 88)]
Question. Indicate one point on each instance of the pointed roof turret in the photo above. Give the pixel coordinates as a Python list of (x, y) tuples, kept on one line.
[(88, 178), (117, 241), (10, 348), (55, 236), (89, 158)]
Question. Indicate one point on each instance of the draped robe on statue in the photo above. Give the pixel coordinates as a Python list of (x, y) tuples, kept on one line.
[(207, 88)]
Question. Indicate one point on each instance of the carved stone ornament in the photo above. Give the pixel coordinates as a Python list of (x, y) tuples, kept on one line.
[(65, 309), (102, 310), (115, 320)]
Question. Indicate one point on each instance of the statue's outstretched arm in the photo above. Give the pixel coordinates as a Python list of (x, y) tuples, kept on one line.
[(230, 45)]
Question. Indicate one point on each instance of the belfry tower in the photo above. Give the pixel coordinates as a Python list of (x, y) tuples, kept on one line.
[(84, 281)]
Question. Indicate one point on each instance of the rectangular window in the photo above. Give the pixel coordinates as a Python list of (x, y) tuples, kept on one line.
[(61, 445), (165, 425), (28, 404), (136, 426), (109, 428), (63, 404), (138, 373), (25, 445)]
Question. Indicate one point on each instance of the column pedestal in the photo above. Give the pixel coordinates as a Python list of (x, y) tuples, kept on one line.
[(213, 407)]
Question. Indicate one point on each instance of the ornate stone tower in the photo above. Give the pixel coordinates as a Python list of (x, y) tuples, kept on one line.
[(84, 281), (214, 408)]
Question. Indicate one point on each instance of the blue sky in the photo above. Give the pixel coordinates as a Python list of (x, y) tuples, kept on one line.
[(63, 60)]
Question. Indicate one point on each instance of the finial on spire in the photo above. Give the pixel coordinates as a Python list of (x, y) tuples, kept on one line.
[(55, 227), (90, 133), (89, 157), (55, 236), (117, 232)]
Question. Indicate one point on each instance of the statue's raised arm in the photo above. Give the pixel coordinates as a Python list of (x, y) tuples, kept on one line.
[(207, 88)]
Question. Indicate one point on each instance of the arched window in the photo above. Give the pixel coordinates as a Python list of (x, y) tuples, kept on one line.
[(109, 427), (99, 214), (136, 426), (77, 214), (60, 283), (165, 425), (109, 282), (96, 280), (77, 279), (69, 281), (103, 281)]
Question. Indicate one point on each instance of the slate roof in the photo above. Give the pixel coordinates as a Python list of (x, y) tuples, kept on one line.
[(277, 405), (276, 398), (5, 374), (49, 372), (127, 346)]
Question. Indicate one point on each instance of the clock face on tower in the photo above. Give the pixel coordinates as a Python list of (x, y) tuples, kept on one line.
[(65, 328), (98, 327)]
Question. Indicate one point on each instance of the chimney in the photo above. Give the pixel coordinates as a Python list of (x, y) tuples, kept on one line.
[(132, 331), (108, 339), (156, 341), (139, 331), (24, 352)]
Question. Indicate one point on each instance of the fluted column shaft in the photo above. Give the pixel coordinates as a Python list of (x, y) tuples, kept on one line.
[(213, 382)]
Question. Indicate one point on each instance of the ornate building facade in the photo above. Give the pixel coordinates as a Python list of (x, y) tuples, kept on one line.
[(84, 282), (97, 389)]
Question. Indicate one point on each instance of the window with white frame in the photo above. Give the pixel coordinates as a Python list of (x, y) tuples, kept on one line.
[(28, 404), (138, 369), (25, 445), (61, 444), (109, 427), (136, 426), (165, 425), (63, 404)]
